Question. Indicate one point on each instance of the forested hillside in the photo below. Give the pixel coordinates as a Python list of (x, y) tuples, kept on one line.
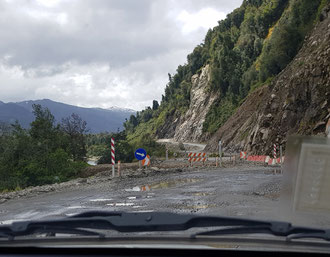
[(44, 154), (245, 51), (295, 102)]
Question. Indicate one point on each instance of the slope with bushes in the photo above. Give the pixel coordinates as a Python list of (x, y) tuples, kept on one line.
[(297, 101), (244, 52)]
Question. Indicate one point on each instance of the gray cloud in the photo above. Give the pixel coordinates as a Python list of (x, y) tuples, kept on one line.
[(63, 50), (116, 32)]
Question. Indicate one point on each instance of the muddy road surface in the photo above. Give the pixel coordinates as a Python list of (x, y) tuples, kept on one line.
[(236, 191)]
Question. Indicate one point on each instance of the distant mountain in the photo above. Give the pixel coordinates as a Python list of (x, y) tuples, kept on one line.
[(10, 112), (98, 120)]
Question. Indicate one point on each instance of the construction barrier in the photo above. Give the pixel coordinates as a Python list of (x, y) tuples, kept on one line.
[(261, 158), (145, 188), (197, 157), (243, 155), (146, 161)]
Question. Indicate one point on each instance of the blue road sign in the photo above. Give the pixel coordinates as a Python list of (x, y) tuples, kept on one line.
[(140, 154)]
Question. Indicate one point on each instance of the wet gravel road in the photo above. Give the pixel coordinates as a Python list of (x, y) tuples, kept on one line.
[(244, 191)]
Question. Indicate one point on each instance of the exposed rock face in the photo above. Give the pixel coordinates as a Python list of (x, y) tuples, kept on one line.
[(191, 125), (296, 102), (188, 127)]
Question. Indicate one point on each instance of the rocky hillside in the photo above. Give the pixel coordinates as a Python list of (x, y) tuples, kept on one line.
[(237, 58), (297, 101), (189, 127)]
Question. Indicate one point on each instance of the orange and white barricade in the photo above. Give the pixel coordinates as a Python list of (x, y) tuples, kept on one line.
[(146, 161), (197, 157), (243, 155)]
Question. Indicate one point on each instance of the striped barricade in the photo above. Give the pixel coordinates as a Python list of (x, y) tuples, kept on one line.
[(146, 161), (271, 161), (243, 155), (197, 157), (250, 158), (261, 158)]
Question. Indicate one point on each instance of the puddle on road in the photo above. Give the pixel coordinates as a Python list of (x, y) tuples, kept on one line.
[(75, 207), (120, 204), (163, 185), (144, 211), (173, 183), (200, 207), (199, 193), (101, 200), (138, 189), (139, 197)]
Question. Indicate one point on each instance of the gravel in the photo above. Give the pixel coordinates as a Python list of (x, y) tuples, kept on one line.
[(172, 167)]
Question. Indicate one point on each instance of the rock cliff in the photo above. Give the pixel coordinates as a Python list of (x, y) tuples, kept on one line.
[(297, 101), (188, 127)]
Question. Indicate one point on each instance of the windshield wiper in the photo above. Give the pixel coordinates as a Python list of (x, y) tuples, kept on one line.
[(49, 230), (156, 221), (273, 228)]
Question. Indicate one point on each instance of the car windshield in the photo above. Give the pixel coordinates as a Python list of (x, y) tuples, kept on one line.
[(209, 108)]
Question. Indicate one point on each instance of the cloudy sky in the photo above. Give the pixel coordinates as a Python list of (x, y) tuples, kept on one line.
[(99, 53)]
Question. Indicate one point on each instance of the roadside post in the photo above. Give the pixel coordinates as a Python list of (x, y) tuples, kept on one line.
[(118, 168), (113, 156), (220, 153), (166, 154), (281, 158)]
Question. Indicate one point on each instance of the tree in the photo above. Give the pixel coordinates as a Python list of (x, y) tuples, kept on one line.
[(155, 105), (43, 125), (4, 128), (75, 128), (133, 120), (44, 134)]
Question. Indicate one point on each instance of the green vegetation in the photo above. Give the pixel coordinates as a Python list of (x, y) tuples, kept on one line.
[(219, 113), (100, 145), (245, 51), (44, 154), (124, 151)]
